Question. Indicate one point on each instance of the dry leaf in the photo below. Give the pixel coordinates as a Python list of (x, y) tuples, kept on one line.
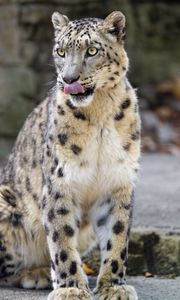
[(87, 269), (148, 274)]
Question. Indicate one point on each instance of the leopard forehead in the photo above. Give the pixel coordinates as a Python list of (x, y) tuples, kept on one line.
[(79, 33), (112, 28)]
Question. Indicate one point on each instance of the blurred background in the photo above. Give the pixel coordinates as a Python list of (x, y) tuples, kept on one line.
[(153, 45)]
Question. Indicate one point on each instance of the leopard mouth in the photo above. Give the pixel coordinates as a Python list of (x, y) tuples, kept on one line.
[(82, 96)]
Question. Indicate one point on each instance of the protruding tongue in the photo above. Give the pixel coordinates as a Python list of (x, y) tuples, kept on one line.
[(73, 88)]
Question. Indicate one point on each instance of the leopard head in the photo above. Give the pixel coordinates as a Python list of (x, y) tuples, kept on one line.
[(89, 55)]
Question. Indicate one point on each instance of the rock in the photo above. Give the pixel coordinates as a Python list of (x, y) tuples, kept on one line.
[(36, 13), (9, 35), (154, 251), (171, 87), (6, 145), (149, 121), (19, 91), (29, 52), (164, 133)]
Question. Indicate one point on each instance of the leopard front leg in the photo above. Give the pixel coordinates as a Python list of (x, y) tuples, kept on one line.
[(111, 221), (61, 220)]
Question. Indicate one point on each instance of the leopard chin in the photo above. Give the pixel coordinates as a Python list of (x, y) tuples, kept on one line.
[(83, 99)]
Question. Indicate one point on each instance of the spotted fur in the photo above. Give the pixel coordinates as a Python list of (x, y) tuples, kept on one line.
[(74, 165)]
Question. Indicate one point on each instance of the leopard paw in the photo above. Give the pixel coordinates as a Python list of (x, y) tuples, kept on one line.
[(122, 292), (69, 294)]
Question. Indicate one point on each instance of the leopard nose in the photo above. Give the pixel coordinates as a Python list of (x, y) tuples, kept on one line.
[(70, 80)]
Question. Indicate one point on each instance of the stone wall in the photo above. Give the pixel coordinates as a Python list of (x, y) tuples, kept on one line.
[(26, 36)]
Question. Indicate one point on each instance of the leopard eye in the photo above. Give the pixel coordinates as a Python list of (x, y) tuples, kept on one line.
[(61, 52), (92, 51)]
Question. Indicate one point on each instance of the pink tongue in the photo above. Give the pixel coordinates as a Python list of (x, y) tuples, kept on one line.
[(73, 88)]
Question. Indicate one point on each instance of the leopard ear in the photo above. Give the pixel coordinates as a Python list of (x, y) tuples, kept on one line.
[(59, 21), (114, 24)]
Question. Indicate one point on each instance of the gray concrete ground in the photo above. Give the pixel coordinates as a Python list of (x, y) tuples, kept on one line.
[(157, 197), (157, 205), (147, 289)]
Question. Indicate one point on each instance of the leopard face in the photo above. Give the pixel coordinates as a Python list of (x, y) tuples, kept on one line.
[(89, 55)]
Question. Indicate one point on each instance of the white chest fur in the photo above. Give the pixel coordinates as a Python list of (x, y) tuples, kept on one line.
[(102, 166)]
